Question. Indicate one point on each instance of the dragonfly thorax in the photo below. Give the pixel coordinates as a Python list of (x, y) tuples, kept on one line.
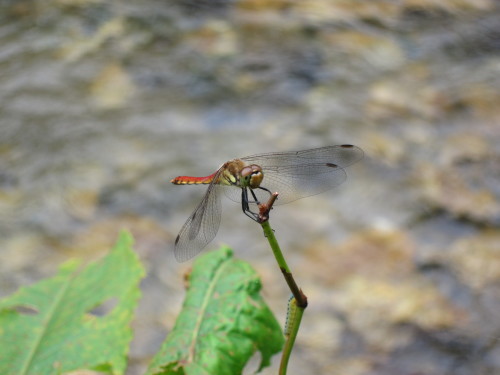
[(251, 176)]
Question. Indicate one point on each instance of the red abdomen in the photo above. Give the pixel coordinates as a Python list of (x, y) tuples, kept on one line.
[(188, 180)]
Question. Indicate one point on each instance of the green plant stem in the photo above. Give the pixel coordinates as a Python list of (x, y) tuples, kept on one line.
[(297, 293), (290, 339), (301, 299)]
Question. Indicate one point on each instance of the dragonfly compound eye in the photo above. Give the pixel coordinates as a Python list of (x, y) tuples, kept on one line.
[(256, 176), (252, 176), (256, 179)]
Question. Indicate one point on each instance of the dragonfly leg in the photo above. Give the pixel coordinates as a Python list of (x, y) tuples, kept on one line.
[(246, 207), (244, 200), (256, 201), (254, 197), (263, 188)]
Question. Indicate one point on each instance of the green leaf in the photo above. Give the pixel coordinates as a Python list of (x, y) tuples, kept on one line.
[(51, 327), (223, 322)]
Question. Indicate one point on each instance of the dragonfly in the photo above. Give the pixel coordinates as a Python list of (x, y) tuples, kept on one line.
[(252, 179)]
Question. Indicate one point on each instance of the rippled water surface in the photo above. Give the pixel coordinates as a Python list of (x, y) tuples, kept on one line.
[(102, 103)]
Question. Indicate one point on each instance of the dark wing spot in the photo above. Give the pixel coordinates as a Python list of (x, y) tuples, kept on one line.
[(347, 146), (177, 239), (331, 165), (194, 216)]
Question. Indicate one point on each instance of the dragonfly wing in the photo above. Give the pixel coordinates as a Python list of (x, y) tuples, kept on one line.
[(201, 226), (341, 155), (299, 174), (293, 182), (232, 192)]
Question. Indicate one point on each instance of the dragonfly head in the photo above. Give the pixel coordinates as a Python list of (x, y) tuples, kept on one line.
[(251, 176)]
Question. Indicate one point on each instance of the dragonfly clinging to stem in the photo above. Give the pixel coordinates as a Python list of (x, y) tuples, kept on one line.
[(252, 179)]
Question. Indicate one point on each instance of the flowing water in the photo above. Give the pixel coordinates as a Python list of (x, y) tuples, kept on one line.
[(102, 103)]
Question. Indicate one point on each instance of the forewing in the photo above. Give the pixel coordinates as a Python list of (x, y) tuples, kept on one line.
[(201, 226), (341, 155)]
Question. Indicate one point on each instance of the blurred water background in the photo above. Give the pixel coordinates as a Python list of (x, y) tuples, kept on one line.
[(103, 102)]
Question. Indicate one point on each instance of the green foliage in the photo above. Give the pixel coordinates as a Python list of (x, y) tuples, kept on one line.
[(223, 322), (50, 328)]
